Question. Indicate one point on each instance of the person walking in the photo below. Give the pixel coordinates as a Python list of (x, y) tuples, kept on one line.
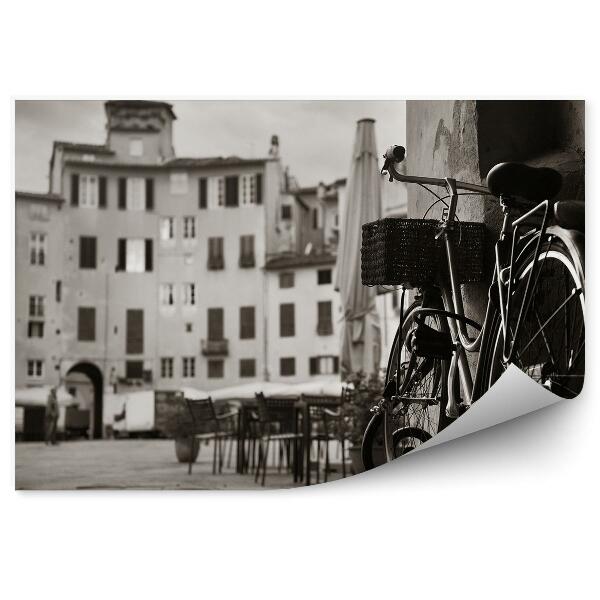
[(51, 417)]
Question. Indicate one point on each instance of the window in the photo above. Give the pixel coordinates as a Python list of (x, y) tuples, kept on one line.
[(323, 365), (134, 336), (216, 259), (202, 193), (247, 367), (315, 218), (188, 366), (287, 325), (36, 306), (86, 324), (215, 192), (215, 324), (38, 211), (216, 368), (286, 280), (246, 251), (136, 193), (395, 299), (167, 229), (248, 189), (87, 252), (37, 249), (178, 183), (136, 147), (189, 294), (232, 191), (35, 329), (323, 276), (167, 294), (287, 366), (324, 323), (189, 228), (166, 368), (134, 369), (247, 323), (35, 369), (188, 328), (286, 212), (88, 191), (58, 291), (134, 255)]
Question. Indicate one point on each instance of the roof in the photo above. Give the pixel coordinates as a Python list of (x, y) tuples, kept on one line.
[(140, 104), (215, 161), (39, 197), (83, 148), (174, 163), (299, 260)]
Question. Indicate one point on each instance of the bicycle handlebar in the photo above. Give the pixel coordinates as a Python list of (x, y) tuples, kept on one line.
[(396, 154)]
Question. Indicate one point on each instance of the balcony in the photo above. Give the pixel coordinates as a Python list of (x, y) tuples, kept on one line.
[(215, 347)]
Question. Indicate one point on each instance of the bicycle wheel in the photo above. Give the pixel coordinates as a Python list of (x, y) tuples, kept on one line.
[(422, 382), (550, 343)]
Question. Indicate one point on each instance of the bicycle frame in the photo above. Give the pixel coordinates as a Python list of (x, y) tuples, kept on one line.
[(509, 246)]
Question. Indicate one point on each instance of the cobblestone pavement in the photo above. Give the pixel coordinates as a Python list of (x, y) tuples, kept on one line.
[(126, 464)]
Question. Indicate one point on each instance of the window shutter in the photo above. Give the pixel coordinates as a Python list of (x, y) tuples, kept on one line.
[(231, 191), (148, 254), (324, 326), (287, 325), (259, 188), (74, 189), (87, 252), (149, 194), (86, 324), (121, 254), (134, 339), (202, 193), (215, 324), (313, 365), (247, 323), (122, 193), (102, 192)]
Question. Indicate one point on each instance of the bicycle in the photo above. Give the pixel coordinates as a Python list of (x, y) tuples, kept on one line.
[(535, 314)]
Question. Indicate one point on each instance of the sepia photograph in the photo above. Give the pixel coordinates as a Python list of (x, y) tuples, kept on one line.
[(246, 294)]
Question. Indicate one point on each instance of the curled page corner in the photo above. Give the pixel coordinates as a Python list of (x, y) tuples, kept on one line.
[(513, 395)]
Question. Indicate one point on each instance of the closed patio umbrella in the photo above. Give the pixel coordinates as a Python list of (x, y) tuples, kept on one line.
[(361, 339)]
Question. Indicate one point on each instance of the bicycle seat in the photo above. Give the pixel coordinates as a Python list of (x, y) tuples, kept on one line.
[(516, 179), (570, 215)]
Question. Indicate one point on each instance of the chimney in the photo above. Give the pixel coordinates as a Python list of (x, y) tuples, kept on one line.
[(274, 149)]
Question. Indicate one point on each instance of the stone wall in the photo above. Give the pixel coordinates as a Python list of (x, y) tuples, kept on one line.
[(465, 138)]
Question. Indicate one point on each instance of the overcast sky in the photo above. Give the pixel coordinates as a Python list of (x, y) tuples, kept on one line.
[(315, 137)]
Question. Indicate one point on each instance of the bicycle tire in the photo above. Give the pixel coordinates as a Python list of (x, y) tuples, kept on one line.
[(373, 435), (536, 356)]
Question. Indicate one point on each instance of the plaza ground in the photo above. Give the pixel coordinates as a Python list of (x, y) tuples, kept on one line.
[(127, 464)]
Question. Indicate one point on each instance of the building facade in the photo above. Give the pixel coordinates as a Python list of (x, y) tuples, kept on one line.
[(142, 269)]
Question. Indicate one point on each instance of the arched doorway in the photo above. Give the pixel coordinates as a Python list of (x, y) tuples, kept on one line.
[(93, 373)]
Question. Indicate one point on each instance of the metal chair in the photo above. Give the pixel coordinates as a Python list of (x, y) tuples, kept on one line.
[(277, 422), (207, 425), (327, 424)]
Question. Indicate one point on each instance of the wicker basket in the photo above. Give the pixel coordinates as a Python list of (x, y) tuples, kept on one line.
[(405, 252)]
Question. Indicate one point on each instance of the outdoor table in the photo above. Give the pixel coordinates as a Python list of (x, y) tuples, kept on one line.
[(304, 407)]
